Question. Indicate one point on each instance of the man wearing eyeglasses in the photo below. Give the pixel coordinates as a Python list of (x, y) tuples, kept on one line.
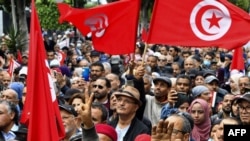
[(127, 125), (175, 127), (69, 115), (244, 108)]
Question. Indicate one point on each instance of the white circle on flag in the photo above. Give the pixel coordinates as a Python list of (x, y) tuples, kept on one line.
[(210, 20)]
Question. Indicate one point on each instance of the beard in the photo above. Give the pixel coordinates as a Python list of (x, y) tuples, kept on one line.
[(99, 95), (227, 110)]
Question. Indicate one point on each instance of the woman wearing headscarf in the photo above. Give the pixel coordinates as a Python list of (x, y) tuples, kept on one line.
[(233, 82), (199, 110)]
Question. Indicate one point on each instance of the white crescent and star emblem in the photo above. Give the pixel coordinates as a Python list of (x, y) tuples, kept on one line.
[(98, 24), (210, 20)]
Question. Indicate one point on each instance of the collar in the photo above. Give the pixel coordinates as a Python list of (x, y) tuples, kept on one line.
[(14, 128)]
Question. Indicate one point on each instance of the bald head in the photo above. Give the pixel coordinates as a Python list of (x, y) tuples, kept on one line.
[(9, 95)]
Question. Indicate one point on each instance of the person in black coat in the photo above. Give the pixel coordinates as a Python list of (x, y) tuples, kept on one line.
[(126, 124)]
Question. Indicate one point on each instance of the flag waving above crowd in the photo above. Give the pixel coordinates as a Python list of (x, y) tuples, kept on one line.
[(199, 23), (41, 112), (113, 26)]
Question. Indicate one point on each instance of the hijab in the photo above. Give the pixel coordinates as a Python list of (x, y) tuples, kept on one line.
[(201, 132), (235, 78)]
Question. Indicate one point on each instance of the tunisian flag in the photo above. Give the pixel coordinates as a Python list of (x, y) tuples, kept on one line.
[(238, 62), (41, 112), (113, 26), (199, 23), (12, 66)]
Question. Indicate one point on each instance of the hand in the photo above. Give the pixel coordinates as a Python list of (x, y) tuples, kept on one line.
[(85, 110), (162, 131), (61, 79), (131, 66), (140, 71), (172, 97)]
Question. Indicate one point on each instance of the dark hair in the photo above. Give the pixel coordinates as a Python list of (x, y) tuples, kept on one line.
[(102, 108), (176, 49), (186, 52), (108, 84), (99, 64), (77, 95), (183, 76)]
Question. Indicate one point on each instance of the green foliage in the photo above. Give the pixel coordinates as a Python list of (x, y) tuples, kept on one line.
[(16, 41), (49, 15), (243, 4)]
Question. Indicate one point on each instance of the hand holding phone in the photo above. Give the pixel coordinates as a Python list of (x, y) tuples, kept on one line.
[(172, 97), (85, 73)]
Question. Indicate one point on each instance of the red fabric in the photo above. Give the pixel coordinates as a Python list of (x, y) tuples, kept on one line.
[(114, 25), (41, 112), (19, 56), (199, 23), (12, 66), (238, 60), (61, 57), (144, 34)]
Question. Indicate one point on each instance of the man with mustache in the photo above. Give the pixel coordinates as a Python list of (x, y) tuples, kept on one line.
[(101, 89), (244, 108), (96, 71), (226, 108)]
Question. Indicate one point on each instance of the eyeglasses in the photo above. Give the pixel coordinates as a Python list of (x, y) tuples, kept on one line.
[(99, 86), (67, 117), (126, 101), (161, 60), (176, 131), (247, 108), (243, 84)]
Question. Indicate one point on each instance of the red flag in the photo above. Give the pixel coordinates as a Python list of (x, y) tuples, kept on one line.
[(238, 60), (41, 112), (12, 66), (113, 26), (19, 56), (199, 23), (144, 34)]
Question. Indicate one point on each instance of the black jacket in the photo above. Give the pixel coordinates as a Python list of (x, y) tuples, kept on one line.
[(136, 128)]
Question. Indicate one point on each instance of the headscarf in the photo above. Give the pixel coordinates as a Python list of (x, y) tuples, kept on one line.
[(235, 78), (201, 132), (198, 90)]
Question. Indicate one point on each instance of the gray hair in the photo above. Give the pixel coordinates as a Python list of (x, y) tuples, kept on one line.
[(187, 121), (149, 77), (107, 66)]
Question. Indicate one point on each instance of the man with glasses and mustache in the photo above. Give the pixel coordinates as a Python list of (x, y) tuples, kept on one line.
[(177, 127), (244, 108), (127, 125)]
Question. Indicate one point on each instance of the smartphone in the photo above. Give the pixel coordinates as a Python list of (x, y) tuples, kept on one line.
[(85, 73)]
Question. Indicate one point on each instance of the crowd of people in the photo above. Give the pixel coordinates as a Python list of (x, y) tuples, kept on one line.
[(169, 93)]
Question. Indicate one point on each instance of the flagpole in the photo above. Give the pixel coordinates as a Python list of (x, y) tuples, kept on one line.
[(144, 53), (12, 70)]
